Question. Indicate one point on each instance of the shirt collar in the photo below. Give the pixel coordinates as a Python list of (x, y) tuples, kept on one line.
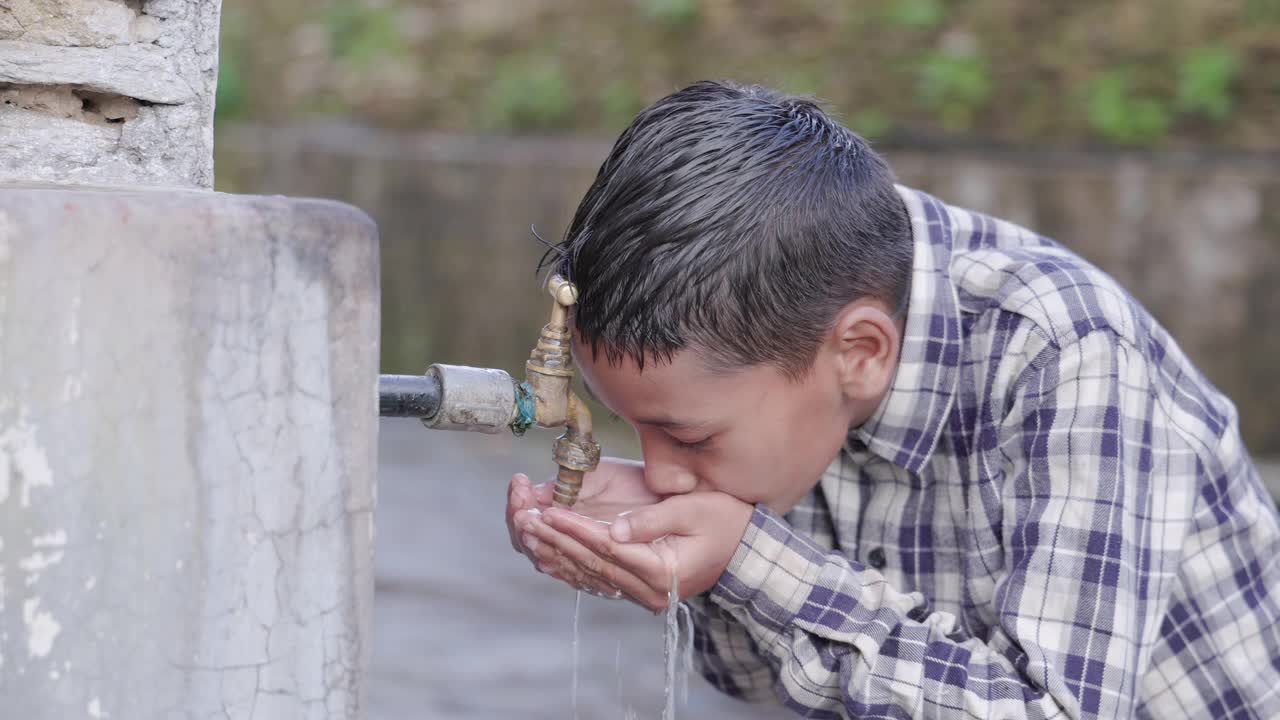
[(905, 428)]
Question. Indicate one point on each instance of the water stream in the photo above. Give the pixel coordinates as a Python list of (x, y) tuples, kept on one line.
[(617, 669), (677, 658), (671, 648), (677, 664), (577, 608), (687, 661)]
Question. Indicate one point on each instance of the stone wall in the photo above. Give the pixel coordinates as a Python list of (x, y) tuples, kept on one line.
[(108, 91), (1195, 237)]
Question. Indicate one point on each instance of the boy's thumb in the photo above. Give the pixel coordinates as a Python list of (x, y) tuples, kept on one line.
[(650, 523)]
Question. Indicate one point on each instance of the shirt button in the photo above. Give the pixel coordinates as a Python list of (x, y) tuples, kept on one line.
[(875, 558)]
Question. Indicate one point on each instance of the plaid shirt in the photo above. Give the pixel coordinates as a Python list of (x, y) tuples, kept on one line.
[(1050, 515)]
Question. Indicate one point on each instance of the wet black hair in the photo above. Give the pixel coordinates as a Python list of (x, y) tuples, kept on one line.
[(735, 221)]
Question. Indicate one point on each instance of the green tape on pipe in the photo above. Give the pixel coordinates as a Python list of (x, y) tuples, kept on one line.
[(525, 409)]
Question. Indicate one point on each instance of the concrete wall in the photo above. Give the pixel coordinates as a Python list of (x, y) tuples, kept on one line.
[(108, 91), (1194, 237), (187, 453)]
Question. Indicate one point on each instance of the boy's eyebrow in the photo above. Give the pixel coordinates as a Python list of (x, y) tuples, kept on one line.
[(662, 422)]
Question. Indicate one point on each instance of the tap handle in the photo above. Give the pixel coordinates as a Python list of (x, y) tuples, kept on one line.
[(564, 292)]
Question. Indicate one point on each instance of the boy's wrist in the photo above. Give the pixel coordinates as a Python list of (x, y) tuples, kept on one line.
[(772, 570), (745, 564)]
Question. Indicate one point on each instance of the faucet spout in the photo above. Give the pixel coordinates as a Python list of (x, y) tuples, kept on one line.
[(576, 452), (549, 375)]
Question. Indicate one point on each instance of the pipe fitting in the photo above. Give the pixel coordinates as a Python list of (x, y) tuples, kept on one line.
[(474, 399)]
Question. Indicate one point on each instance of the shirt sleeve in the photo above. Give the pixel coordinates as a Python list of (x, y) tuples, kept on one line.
[(1078, 601), (726, 655)]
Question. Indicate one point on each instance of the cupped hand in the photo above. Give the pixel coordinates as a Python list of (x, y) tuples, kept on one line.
[(615, 486), (690, 537)]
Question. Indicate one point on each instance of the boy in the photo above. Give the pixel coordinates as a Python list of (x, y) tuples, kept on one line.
[(1036, 508)]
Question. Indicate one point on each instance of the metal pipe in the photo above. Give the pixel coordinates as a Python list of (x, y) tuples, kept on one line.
[(473, 399), (408, 395)]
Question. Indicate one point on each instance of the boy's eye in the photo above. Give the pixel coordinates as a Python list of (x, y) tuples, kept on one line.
[(698, 446)]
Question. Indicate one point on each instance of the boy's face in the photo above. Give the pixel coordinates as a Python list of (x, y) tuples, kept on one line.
[(753, 433)]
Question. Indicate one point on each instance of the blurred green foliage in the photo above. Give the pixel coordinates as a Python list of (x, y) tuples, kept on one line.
[(1126, 72), (1263, 11), (675, 14), (1204, 81), (620, 101), (361, 34), (230, 97), (529, 92), (870, 122), (917, 14), (954, 85), (1119, 114)]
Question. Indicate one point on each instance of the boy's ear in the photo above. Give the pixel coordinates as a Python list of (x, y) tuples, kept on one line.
[(865, 340)]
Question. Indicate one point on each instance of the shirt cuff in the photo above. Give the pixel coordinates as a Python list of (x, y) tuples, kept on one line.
[(770, 575)]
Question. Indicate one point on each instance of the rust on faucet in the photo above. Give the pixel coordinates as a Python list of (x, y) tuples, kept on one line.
[(549, 376)]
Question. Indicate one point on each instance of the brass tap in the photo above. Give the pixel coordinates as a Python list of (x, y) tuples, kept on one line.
[(549, 377), (456, 397)]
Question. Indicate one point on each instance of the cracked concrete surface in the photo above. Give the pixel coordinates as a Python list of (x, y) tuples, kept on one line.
[(146, 68), (187, 454)]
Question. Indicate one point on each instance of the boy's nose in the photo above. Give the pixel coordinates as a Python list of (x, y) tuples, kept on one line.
[(667, 479), (663, 473)]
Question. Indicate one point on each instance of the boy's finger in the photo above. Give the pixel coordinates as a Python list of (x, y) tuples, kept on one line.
[(516, 501), (543, 493), (674, 516), (517, 494), (513, 506), (609, 575), (539, 539), (539, 551), (600, 589), (559, 572), (565, 570)]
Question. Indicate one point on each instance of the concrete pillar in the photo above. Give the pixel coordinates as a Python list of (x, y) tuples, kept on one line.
[(188, 392), (187, 448)]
